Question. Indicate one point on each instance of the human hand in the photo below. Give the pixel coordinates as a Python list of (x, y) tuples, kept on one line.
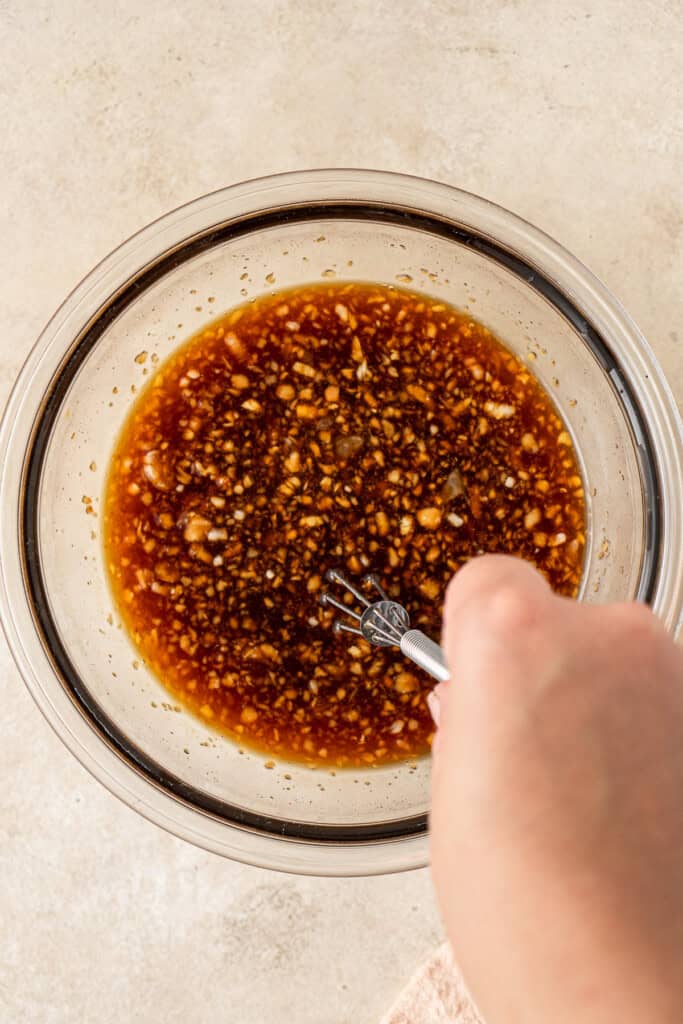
[(557, 810)]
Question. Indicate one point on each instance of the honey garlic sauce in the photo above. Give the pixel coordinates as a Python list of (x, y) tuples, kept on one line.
[(351, 426)]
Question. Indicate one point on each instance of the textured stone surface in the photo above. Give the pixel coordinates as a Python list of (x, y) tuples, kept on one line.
[(567, 113)]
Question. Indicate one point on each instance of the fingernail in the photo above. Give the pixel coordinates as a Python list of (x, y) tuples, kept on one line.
[(434, 707)]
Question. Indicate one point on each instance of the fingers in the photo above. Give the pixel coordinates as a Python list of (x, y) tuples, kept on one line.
[(434, 705)]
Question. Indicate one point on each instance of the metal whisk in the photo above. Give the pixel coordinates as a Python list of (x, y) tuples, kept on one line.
[(385, 623)]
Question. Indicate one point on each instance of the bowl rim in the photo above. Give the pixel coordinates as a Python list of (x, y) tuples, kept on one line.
[(99, 751)]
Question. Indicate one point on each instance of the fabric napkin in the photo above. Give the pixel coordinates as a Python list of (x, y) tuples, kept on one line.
[(436, 994)]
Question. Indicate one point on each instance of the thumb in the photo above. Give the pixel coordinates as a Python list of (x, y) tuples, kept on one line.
[(480, 597)]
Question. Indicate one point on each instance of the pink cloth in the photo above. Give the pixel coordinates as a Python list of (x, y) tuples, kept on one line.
[(436, 994)]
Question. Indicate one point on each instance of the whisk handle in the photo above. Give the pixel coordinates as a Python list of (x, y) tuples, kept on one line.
[(421, 649)]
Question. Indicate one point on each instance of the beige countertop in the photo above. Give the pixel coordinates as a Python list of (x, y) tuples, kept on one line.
[(567, 113)]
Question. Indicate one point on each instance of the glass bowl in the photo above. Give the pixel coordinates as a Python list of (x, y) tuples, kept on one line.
[(78, 384)]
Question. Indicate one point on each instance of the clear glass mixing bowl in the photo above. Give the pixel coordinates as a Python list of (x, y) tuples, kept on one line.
[(150, 294)]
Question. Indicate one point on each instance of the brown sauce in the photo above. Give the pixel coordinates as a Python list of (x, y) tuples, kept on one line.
[(357, 427)]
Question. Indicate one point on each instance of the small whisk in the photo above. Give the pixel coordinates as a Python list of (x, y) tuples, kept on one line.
[(385, 623)]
